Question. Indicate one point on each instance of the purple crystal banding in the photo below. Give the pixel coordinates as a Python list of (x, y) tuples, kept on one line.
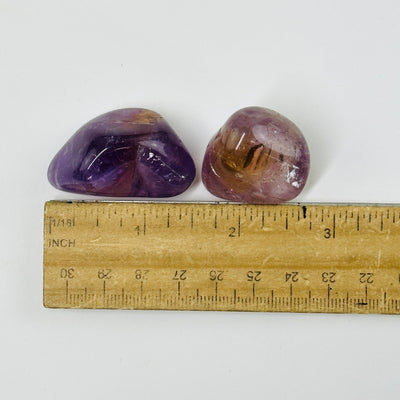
[(131, 152), (258, 156)]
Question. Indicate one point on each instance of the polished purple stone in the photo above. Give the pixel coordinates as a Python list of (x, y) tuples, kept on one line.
[(131, 152), (258, 156)]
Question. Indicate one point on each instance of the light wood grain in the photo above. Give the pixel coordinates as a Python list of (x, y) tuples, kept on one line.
[(300, 258)]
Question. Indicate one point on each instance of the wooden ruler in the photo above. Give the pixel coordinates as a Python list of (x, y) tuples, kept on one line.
[(200, 256)]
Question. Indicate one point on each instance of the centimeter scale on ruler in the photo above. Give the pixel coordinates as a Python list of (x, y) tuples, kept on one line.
[(221, 256)]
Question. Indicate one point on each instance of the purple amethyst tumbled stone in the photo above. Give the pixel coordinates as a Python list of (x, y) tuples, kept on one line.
[(131, 152), (258, 156)]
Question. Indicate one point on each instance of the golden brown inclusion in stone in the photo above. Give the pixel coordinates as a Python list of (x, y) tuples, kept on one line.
[(258, 156)]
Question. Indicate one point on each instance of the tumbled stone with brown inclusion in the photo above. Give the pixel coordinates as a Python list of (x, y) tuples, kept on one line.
[(258, 156)]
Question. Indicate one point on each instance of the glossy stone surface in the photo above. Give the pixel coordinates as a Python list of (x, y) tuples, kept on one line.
[(129, 153), (258, 156)]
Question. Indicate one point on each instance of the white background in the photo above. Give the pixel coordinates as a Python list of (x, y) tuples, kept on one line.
[(330, 66)]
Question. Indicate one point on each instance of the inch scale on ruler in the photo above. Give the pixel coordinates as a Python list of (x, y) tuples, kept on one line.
[(201, 256)]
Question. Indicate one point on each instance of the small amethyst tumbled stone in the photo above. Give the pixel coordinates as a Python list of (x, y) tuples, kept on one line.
[(131, 152), (258, 156)]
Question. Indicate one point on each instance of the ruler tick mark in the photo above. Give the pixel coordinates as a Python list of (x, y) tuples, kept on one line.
[(334, 226), (329, 294)]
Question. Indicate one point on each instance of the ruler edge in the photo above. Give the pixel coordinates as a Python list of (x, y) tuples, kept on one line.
[(383, 314), (299, 204)]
